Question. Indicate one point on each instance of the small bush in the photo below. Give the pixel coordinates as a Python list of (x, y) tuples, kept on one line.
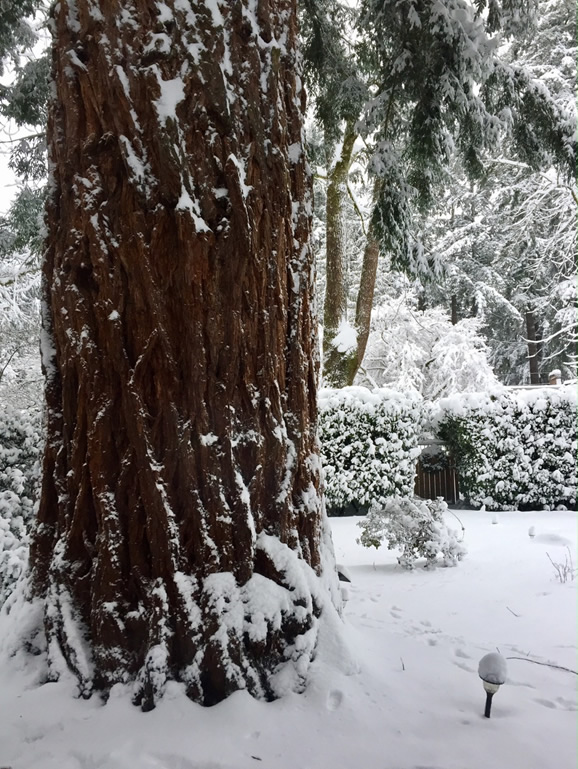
[(369, 445), (414, 526), (20, 448)]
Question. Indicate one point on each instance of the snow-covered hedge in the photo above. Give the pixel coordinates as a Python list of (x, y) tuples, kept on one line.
[(514, 449), (369, 445), (20, 448)]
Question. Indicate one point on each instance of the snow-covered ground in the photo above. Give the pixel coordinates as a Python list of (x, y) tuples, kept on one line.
[(400, 690)]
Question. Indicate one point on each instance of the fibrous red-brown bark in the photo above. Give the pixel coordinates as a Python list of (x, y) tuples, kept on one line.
[(180, 526)]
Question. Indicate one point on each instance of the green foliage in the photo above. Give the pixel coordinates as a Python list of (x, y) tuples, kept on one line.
[(414, 526), (443, 92), (369, 445), (21, 228), (23, 101), (16, 34), (26, 99), (332, 73), (516, 450)]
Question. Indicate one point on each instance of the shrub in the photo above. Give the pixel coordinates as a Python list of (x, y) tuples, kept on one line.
[(515, 449), (369, 445), (414, 526), (20, 447)]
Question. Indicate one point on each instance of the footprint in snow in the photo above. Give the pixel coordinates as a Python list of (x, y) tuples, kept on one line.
[(463, 666), (334, 699), (567, 704), (461, 653), (552, 539), (558, 704)]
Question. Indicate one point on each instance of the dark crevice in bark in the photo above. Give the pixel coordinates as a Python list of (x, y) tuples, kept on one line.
[(180, 394)]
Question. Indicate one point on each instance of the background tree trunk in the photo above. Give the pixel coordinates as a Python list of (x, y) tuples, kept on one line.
[(365, 298), (341, 363), (454, 309), (337, 361), (533, 348), (180, 530)]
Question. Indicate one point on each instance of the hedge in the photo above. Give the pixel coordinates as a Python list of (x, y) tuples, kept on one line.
[(515, 449), (20, 449), (369, 445)]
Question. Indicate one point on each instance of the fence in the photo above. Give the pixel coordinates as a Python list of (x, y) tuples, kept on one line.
[(436, 474)]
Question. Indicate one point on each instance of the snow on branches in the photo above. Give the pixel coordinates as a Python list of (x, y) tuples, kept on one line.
[(513, 450), (369, 444)]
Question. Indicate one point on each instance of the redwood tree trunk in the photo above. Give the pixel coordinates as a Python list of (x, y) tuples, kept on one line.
[(180, 532)]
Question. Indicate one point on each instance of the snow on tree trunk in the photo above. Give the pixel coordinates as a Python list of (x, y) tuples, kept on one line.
[(339, 350), (365, 295), (180, 533), (344, 344), (533, 348)]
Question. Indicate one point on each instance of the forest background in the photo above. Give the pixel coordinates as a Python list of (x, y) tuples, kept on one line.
[(445, 208)]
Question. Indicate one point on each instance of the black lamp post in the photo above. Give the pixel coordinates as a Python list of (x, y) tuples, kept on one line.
[(493, 671)]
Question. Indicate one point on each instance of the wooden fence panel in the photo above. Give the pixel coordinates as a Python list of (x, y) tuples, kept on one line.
[(437, 483)]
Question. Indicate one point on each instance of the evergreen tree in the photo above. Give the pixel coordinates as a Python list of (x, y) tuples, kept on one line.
[(437, 91), (508, 242), (23, 102)]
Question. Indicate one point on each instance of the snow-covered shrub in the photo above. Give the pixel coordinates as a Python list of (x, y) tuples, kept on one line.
[(411, 349), (515, 449), (414, 526), (369, 445), (20, 447)]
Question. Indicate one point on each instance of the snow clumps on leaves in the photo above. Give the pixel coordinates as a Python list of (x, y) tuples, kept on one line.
[(414, 526), (513, 450), (20, 447), (369, 445)]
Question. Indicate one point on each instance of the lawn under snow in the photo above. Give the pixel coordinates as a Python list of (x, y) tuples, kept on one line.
[(402, 693)]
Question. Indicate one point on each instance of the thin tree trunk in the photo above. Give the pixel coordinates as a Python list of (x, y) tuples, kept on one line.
[(532, 348), (180, 529), (365, 298), (454, 310), (338, 359)]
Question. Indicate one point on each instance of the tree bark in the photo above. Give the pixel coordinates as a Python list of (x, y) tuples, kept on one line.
[(365, 298), (180, 533), (454, 310), (533, 349), (338, 361)]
